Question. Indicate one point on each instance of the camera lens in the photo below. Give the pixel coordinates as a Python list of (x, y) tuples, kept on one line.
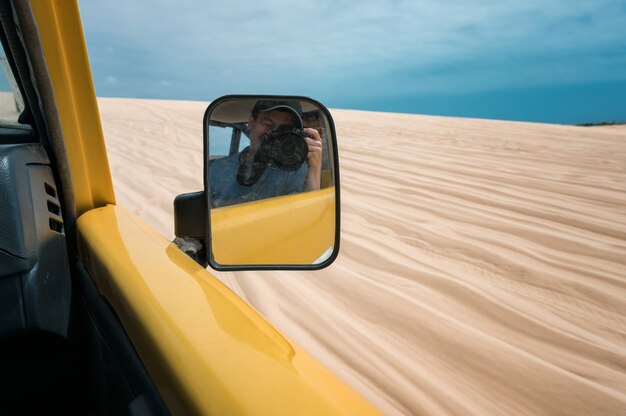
[(283, 147), (291, 151)]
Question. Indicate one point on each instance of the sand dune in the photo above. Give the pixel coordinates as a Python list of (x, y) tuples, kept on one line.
[(482, 268)]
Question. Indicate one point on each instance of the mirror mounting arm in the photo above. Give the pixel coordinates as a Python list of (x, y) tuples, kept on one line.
[(190, 225)]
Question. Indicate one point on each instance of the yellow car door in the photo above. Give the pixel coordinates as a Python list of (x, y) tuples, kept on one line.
[(149, 330)]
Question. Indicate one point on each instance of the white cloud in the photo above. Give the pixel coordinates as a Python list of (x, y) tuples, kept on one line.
[(110, 81)]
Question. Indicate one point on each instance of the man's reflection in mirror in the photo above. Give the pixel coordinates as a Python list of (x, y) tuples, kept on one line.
[(283, 157)]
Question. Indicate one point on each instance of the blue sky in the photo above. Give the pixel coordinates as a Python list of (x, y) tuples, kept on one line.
[(550, 61)]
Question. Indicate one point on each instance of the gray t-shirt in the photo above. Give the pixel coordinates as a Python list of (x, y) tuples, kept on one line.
[(225, 190)]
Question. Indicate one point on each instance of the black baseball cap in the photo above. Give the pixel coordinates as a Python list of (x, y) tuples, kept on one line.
[(293, 107)]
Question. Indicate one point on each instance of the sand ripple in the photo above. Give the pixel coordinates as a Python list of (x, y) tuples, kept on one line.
[(482, 267)]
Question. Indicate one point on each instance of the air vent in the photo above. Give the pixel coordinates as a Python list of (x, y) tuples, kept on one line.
[(54, 208), (50, 190), (56, 225)]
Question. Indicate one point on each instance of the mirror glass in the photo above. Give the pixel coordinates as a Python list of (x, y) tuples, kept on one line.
[(271, 182)]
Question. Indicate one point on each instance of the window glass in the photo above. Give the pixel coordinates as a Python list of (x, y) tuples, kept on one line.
[(220, 141), (11, 102)]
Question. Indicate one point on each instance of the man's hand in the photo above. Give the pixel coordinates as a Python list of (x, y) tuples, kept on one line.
[(314, 160)]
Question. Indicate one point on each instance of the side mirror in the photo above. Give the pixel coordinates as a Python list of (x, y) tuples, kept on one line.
[(271, 197)]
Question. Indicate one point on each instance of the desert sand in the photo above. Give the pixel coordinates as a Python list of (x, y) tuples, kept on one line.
[(482, 268)]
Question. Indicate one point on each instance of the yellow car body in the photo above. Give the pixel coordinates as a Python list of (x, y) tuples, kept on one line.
[(294, 229), (206, 350)]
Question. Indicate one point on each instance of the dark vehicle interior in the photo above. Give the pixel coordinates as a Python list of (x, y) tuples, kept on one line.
[(62, 348)]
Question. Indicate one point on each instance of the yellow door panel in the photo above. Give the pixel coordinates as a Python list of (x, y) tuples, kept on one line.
[(208, 351), (293, 229)]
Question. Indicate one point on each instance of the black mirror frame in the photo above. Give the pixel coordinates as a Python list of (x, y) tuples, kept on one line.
[(335, 160)]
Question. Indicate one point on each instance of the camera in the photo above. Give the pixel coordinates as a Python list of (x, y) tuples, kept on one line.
[(284, 147)]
